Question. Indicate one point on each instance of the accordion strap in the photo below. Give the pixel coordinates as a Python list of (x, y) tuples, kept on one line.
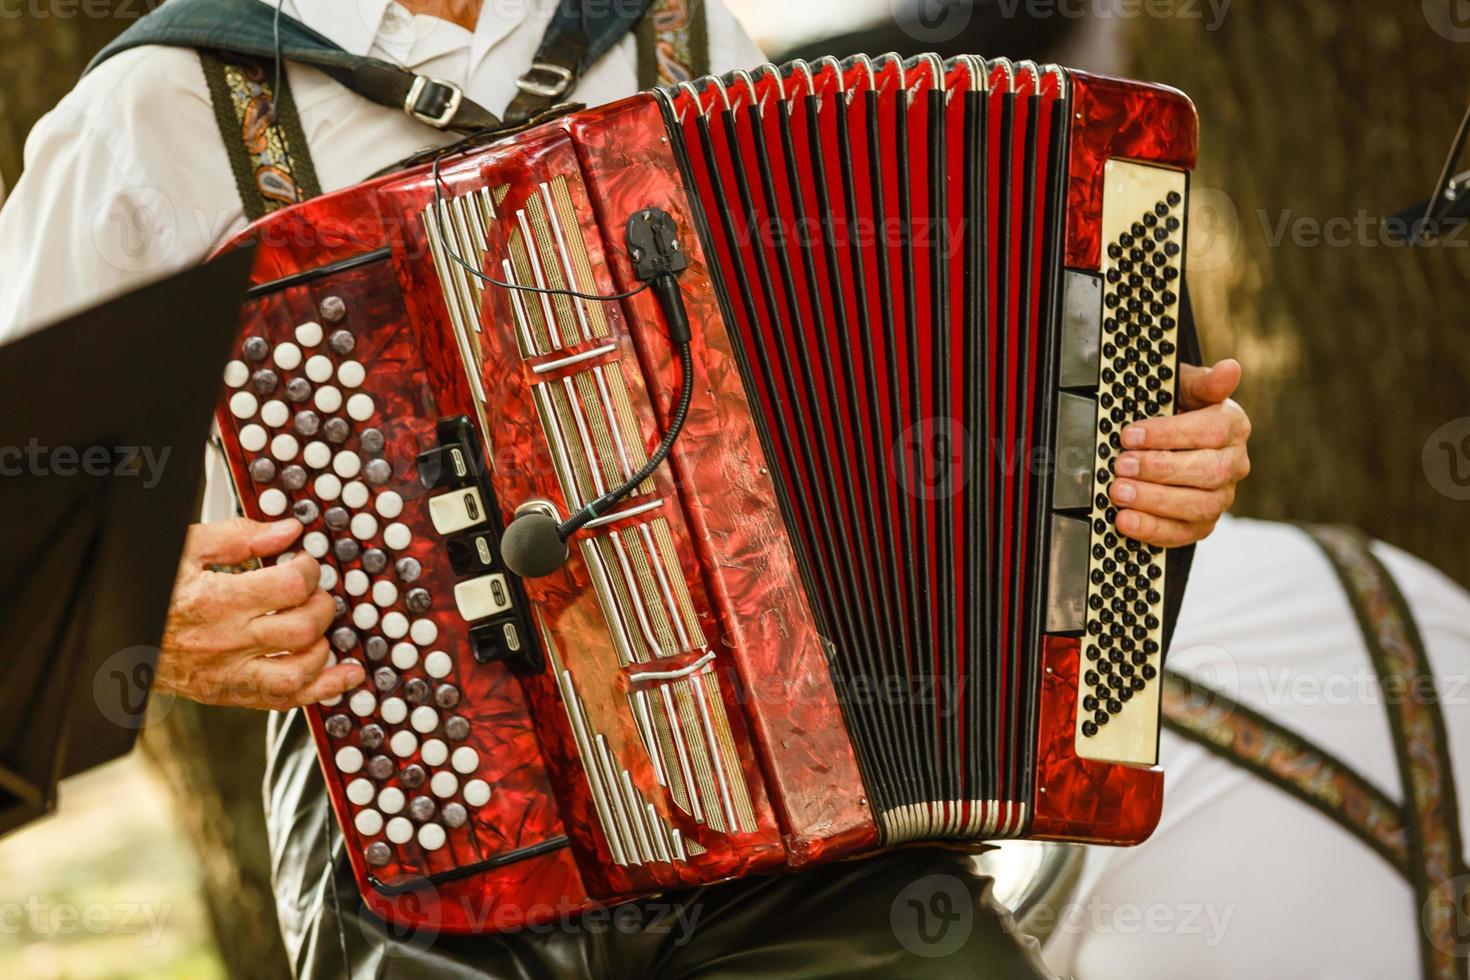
[(1420, 837), (247, 27)]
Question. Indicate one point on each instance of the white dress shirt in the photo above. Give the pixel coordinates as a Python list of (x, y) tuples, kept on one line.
[(127, 178), (1240, 879)]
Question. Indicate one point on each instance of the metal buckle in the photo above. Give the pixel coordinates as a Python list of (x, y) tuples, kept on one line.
[(444, 117), (531, 86)]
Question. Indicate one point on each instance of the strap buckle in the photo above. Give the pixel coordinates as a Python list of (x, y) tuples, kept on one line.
[(433, 101), (561, 80)]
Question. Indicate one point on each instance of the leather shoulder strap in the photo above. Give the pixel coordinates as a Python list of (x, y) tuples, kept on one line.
[(248, 27), (268, 150)]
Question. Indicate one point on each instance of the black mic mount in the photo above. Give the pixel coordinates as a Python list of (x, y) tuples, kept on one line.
[(534, 545)]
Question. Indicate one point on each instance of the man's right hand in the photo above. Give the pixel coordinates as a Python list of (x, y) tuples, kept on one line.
[(254, 639)]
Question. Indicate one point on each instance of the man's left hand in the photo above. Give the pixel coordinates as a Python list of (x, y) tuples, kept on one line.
[(1177, 474)]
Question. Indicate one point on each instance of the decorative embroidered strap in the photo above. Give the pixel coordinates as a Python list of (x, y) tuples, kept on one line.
[(1289, 762), (1421, 838), (272, 164), (673, 43), (1406, 684)]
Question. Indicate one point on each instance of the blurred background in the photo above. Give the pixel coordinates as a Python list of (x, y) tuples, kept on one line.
[(1318, 119)]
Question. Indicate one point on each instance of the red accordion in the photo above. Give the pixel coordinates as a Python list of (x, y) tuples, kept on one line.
[(874, 596)]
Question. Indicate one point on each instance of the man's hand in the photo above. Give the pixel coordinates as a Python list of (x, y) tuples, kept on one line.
[(1177, 475), (254, 639)]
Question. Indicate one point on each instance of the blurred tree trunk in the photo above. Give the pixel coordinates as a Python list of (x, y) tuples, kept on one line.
[(214, 759), (1317, 120)]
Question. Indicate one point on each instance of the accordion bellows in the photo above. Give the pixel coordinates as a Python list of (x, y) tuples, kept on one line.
[(875, 597)]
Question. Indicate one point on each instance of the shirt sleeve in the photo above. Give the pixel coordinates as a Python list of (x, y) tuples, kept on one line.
[(730, 47), (125, 181)]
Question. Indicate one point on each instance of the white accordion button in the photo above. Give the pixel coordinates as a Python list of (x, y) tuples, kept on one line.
[(397, 536), (332, 702), (456, 511), (404, 655), (319, 368), (477, 792), (483, 596), (288, 356), (389, 505), (403, 744), (365, 616), (327, 487), (400, 831), (273, 502), (438, 664), (317, 454), (444, 784), (253, 438), (328, 399), (424, 719), (351, 374), (364, 525), (309, 334), (274, 413), (360, 791), (360, 407), (242, 404), (315, 544), (369, 823), (395, 625), (347, 464), (424, 632), (236, 374), (328, 581), (391, 800), (394, 711), (355, 582), (284, 447), (349, 758), (354, 494), (465, 760), (385, 593), (431, 837), (362, 703), (434, 752)]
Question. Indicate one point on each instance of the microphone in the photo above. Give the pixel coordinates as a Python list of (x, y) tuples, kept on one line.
[(531, 546), (534, 545)]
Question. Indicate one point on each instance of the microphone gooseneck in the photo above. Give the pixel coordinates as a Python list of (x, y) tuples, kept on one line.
[(534, 545)]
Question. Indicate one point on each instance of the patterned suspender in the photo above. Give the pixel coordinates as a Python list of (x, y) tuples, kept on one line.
[(269, 156), (673, 43), (1421, 837)]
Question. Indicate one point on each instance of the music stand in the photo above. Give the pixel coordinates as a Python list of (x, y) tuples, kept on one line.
[(101, 458)]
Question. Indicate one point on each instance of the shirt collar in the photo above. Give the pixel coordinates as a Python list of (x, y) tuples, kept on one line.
[(352, 26)]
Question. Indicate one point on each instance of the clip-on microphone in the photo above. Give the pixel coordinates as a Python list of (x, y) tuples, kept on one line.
[(534, 544)]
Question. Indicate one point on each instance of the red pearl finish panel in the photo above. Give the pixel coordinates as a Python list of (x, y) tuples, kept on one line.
[(1122, 120), (724, 481), (1079, 799), (413, 380)]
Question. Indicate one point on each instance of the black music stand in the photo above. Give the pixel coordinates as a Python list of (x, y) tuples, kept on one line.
[(92, 527)]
